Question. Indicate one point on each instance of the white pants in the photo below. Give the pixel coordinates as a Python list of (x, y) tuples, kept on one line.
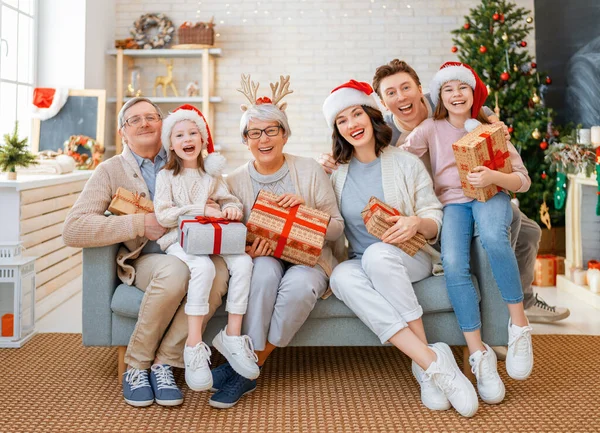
[(378, 287), (202, 274)]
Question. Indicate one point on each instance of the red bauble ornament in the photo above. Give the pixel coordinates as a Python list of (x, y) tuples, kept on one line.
[(467, 26), (501, 17), (544, 175), (533, 65), (482, 49), (496, 16), (454, 49), (510, 129), (523, 44), (544, 145), (548, 80), (504, 76)]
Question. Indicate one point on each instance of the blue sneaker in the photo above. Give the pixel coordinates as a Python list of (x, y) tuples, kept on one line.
[(136, 389), (231, 392), (221, 375), (166, 392)]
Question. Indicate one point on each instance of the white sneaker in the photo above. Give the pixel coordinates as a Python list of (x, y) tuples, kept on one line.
[(484, 367), (431, 396), (519, 358), (197, 370), (239, 351), (447, 376)]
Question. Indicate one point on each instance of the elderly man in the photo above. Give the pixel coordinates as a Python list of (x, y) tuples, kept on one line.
[(158, 339)]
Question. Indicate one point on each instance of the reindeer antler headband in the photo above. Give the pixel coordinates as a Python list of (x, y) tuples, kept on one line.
[(279, 90)]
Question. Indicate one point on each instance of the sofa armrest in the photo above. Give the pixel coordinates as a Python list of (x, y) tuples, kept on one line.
[(494, 313), (99, 283)]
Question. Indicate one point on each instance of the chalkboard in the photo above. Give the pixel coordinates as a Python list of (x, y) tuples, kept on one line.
[(82, 114)]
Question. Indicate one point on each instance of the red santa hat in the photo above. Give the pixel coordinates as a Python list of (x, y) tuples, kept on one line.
[(462, 72), (213, 163), (347, 95), (48, 102)]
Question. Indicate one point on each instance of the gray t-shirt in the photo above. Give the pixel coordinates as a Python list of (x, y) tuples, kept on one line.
[(362, 182), (278, 183)]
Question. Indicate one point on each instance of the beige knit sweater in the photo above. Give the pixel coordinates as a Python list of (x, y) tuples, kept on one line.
[(312, 184), (86, 225)]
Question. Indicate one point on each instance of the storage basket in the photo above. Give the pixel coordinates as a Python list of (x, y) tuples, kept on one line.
[(196, 33)]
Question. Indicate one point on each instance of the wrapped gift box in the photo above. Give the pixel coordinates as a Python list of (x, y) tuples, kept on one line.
[(295, 234), (547, 266), (125, 202), (203, 235), (484, 146), (375, 214)]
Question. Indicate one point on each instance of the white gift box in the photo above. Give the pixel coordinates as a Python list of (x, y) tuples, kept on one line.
[(203, 235)]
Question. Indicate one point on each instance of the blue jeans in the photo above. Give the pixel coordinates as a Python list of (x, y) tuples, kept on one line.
[(493, 221)]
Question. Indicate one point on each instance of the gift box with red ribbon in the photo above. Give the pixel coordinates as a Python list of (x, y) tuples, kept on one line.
[(201, 235), (484, 146), (125, 202), (296, 234), (375, 216), (547, 267)]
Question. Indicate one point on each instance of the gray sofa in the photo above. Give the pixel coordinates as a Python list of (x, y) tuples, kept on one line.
[(110, 309)]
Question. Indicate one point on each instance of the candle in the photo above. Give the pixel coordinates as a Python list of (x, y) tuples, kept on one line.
[(579, 277), (593, 277), (596, 136), (584, 136)]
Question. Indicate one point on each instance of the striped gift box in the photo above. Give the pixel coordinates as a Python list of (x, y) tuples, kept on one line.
[(375, 214), (484, 146), (295, 234)]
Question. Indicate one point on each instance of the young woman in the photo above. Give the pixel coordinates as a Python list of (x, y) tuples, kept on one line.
[(376, 280), (185, 186), (459, 95)]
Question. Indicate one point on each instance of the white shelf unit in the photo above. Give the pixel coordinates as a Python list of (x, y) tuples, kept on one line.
[(206, 98)]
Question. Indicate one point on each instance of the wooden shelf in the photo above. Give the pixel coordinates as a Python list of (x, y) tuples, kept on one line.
[(173, 99), (167, 53)]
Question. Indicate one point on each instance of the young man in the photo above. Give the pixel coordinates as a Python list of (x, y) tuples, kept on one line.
[(158, 339), (400, 91)]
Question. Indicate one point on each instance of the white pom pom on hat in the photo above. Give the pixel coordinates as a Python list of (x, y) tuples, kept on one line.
[(347, 95)]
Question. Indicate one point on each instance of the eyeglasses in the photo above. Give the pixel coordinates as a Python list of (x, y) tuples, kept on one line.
[(137, 120), (255, 134)]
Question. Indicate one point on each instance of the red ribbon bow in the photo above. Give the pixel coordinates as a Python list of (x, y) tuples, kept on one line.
[(498, 158), (216, 223)]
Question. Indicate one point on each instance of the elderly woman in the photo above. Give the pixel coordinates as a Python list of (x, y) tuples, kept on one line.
[(376, 280), (282, 295)]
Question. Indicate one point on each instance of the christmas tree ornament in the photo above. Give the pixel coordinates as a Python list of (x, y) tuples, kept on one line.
[(454, 49), (536, 134), (523, 44), (502, 18), (466, 26), (515, 68), (504, 37), (529, 20), (533, 65), (545, 214), (504, 76), (511, 129), (496, 16), (489, 89), (544, 145), (482, 49), (544, 175), (548, 80), (535, 98), (560, 193)]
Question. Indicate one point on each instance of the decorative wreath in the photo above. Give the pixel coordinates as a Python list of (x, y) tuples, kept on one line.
[(142, 37), (83, 161)]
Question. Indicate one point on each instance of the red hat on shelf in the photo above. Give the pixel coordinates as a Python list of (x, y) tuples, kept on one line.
[(47, 102)]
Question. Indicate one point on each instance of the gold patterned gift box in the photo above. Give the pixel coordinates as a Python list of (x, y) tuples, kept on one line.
[(295, 234), (375, 216), (125, 202), (484, 146)]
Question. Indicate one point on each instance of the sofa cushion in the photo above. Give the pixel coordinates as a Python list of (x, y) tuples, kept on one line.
[(431, 293)]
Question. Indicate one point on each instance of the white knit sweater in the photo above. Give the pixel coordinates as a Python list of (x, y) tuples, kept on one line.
[(406, 187), (187, 194)]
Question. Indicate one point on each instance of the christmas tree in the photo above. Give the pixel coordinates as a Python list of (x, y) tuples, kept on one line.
[(14, 153), (492, 41)]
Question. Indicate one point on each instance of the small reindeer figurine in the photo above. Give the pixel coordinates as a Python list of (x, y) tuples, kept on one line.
[(165, 81)]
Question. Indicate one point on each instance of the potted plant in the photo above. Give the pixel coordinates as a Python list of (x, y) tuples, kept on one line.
[(14, 154)]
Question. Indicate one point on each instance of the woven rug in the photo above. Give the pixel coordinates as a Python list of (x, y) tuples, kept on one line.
[(55, 384)]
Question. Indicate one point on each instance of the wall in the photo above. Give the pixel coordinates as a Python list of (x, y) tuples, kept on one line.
[(319, 44)]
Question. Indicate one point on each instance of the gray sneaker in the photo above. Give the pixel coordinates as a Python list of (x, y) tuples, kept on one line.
[(541, 312)]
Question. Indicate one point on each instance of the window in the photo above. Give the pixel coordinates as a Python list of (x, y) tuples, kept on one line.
[(17, 53)]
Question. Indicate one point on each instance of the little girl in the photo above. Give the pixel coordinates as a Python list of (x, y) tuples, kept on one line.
[(459, 94), (185, 186)]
